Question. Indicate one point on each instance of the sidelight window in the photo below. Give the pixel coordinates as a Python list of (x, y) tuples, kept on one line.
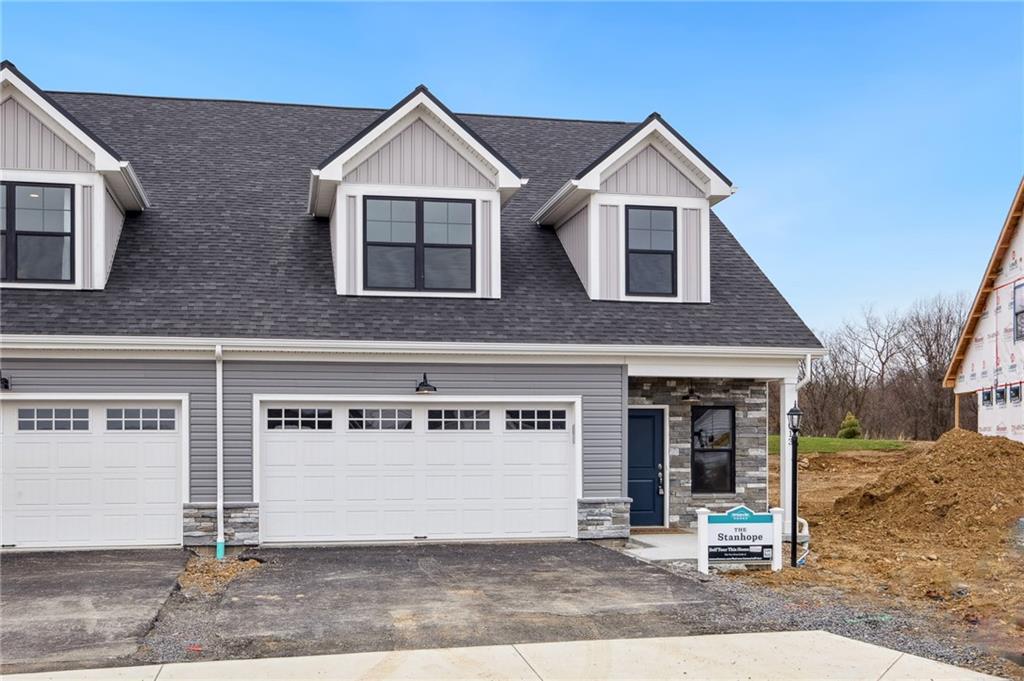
[(713, 450)]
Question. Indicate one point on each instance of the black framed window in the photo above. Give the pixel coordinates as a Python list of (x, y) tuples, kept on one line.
[(1018, 312), (418, 244), (986, 398), (1015, 393), (650, 251), (37, 232), (713, 450)]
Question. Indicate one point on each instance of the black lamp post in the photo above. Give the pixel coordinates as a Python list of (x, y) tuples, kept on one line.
[(794, 416)]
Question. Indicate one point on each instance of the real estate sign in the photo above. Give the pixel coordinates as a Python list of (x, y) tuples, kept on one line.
[(739, 536)]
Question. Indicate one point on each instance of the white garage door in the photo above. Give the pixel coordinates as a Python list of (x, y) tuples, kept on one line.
[(91, 474), (371, 472)]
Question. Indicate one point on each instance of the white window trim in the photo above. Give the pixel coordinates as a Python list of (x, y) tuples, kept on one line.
[(677, 202), (79, 180), (359, 191), (184, 416), (572, 403)]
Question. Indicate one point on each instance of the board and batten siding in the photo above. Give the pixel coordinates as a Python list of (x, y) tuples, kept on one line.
[(87, 242), (574, 234), (113, 217), (650, 173), (603, 387), (484, 250), (419, 156), (610, 280), (197, 378), (29, 144), (690, 253)]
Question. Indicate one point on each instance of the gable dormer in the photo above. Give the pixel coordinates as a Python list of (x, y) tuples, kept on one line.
[(635, 223), (64, 192), (414, 202)]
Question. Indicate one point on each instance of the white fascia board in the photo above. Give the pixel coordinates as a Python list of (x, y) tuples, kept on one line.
[(119, 174), (335, 170), (16, 342), (717, 186), (561, 205)]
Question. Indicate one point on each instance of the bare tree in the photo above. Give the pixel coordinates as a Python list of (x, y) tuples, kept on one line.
[(888, 370)]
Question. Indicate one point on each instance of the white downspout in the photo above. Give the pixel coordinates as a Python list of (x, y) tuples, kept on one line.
[(219, 355), (807, 376)]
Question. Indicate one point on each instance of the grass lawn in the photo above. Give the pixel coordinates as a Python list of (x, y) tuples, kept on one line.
[(831, 445)]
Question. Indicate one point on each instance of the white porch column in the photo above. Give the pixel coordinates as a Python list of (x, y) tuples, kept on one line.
[(787, 394)]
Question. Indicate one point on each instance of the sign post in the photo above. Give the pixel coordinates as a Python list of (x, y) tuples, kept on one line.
[(739, 536)]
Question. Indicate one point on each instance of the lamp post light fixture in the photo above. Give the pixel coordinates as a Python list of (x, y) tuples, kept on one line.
[(424, 387), (794, 415)]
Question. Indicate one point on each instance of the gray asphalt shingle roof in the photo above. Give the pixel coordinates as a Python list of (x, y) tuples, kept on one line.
[(227, 250)]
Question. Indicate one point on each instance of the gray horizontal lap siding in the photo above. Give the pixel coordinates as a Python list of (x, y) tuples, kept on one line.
[(197, 378), (603, 388)]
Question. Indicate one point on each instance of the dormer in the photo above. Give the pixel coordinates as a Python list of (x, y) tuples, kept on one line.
[(63, 193), (414, 202), (635, 223)]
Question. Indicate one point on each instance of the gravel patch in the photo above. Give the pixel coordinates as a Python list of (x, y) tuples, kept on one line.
[(917, 630)]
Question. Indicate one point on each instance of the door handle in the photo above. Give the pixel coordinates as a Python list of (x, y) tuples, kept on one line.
[(661, 481)]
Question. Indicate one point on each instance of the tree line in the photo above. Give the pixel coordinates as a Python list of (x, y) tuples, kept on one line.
[(887, 370)]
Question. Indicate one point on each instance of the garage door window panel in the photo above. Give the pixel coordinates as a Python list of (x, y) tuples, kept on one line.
[(300, 418), (458, 419), (379, 419), (141, 418), (535, 419), (53, 419)]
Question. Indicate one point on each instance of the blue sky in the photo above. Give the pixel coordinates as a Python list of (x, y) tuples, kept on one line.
[(876, 146)]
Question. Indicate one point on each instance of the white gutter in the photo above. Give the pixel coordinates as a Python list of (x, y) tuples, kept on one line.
[(143, 343), (557, 198), (807, 374), (219, 355)]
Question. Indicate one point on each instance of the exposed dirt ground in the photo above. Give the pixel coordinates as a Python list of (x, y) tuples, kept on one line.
[(931, 527)]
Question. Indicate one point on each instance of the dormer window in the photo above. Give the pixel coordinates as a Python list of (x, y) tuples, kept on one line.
[(36, 230), (419, 244), (650, 251)]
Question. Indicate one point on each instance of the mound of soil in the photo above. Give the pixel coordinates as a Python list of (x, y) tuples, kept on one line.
[(936, 524)]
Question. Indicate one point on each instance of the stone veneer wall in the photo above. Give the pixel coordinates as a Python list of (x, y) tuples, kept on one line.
[(750, 398), (241, 524), (603, 518)]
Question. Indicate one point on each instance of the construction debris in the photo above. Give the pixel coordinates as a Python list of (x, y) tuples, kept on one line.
[(210, 576)]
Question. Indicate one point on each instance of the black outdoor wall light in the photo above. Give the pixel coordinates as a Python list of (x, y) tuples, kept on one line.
[(424, 387), (5, 382)]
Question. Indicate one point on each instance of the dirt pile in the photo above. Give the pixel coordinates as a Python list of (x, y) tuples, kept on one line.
[(936, 524), (210, 575)]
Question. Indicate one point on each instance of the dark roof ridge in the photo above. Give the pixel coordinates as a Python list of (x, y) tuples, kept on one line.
[(338, 107)]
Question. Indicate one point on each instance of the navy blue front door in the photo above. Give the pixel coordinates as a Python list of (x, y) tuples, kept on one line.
[(646, 456)]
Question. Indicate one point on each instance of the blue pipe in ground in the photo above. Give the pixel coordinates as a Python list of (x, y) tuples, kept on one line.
[(220, 550)]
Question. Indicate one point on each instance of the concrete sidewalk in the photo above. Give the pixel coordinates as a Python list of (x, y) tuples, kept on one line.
[(814, 655)]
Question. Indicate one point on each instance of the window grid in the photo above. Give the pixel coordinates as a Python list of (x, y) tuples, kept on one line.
[(650, 235), (37, 218), (132, 418), (300, 418), (458, 419), (433, 238), (535, 419), (53, 418), (380, 419)]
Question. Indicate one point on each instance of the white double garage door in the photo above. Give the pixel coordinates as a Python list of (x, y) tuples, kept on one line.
[(102, 473), (91, 473), (386, 471)]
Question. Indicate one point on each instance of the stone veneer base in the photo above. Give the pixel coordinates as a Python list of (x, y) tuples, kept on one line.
[(241, 524), (603, 518)]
